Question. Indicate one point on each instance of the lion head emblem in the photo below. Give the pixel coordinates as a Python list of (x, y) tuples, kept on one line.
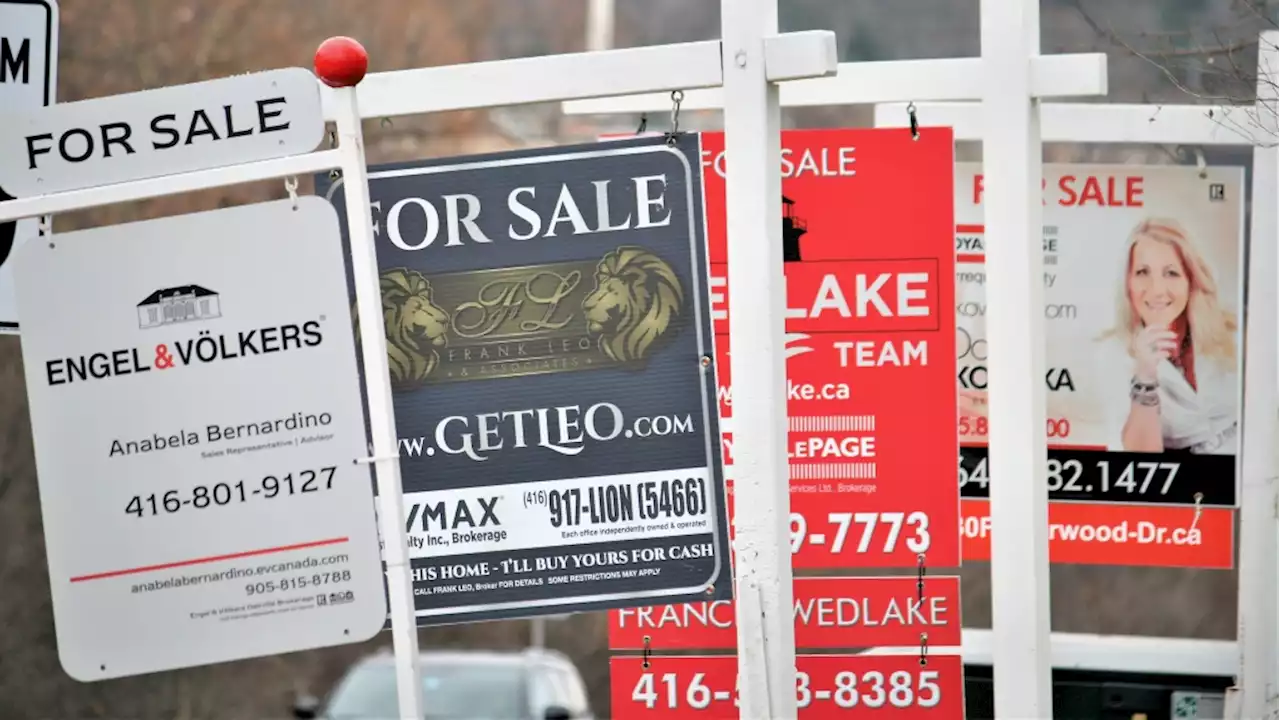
[(636, 300), (416, 326)]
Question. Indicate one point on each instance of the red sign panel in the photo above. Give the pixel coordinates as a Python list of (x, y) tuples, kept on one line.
[(1099, 534), (868, 234), (835, 525), (831, 613), (827, 686)]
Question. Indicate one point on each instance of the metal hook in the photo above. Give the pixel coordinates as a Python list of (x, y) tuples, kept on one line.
[(334, 174), (924, 649), (385, 123), (1200, 163), (1196, 517), (644, 123), (920, 577), (291, 187), (43, 228), (646, 653), (677, 97), (913, 120)]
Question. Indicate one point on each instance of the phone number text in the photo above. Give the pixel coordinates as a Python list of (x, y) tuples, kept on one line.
[(1101, 476), (300, 582)]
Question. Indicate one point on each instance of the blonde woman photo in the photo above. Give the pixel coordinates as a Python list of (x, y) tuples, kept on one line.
[(1172, 352)]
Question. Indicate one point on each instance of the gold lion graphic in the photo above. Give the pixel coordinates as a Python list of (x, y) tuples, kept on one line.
[(635, 301), (416, 327)]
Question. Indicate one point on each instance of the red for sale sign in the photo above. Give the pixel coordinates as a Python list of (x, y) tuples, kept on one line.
[(827, 686), (831, 613), (868, 242)]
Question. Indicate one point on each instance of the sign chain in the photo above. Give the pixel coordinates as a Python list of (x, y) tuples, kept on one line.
[(913, 121), (920, 577), (335, 173), (677, 97)]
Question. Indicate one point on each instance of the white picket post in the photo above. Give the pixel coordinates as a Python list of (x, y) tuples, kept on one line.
[(763, 611), (377, 378), (1259, 605), (1015, 332)]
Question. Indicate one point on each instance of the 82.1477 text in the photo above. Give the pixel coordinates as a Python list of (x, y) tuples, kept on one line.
[(203, 496)]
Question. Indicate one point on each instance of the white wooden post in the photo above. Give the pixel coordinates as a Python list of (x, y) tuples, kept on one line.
[(764, 616), (538, 632), (600, 24), (1015, 393), (1259, 573), (382, 420), (1258, 667)]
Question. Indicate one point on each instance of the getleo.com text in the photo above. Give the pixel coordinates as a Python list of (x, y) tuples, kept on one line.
[(564, 430)]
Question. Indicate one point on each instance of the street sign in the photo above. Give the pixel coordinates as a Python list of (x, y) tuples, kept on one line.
[(28, 53), (866, 232), (551, 353), (153, 133), (1107, 228), (28, 79), (197, 425)]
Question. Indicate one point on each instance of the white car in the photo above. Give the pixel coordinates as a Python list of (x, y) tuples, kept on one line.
[(531, 684)]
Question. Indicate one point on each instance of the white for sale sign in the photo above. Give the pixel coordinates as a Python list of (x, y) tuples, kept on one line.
[(197, 418)]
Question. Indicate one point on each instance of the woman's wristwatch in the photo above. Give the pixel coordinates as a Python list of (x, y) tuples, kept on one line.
[(1144, 393)]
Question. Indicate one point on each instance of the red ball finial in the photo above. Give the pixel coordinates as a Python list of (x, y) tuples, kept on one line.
[(341, 62)]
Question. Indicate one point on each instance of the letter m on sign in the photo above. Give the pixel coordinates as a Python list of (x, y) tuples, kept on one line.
[(14, 63)]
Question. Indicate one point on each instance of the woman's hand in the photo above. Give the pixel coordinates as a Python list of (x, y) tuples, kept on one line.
[(1150, 346)]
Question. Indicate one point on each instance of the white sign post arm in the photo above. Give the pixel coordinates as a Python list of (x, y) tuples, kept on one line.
[(1103, 123), (377, 375), (167, 185), (753, 203), (1010, 37), (865, 83), (1259, 575)]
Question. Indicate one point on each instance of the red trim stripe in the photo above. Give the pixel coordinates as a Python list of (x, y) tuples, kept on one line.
[(210, 559)]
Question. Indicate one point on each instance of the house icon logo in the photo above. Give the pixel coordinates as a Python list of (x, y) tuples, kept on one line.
[(178, 304)]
